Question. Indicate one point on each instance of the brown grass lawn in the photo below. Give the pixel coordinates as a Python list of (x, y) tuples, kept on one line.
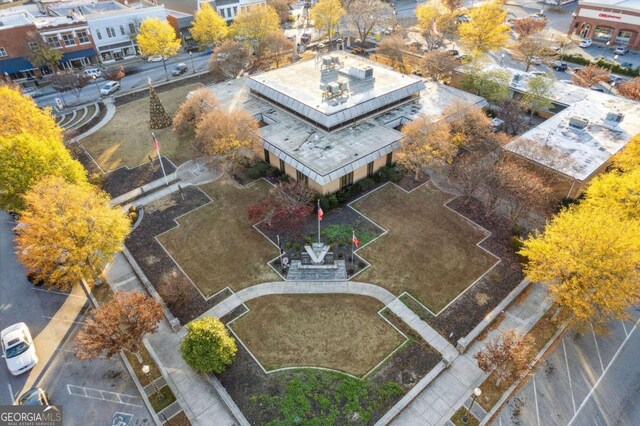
[(341, 332), (217, 246), (429, 251), (126, 139)]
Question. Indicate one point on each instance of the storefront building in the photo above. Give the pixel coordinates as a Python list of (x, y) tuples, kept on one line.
[(612, 22)]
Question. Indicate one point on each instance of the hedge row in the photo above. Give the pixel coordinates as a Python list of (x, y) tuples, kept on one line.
[(615, 68)]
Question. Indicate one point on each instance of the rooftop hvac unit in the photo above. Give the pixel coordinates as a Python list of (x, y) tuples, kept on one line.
[(616, 117), (335, 59), (362, 72), (333, 87), (579, 123), (517, 78), (327, 61)]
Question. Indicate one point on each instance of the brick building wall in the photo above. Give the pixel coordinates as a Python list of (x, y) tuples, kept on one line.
[(606, 24)]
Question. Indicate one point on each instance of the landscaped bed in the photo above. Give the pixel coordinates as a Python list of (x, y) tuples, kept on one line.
[(320, 397), (216, 246), (125, 179), (126, 139), (339, 332), (429, 251)]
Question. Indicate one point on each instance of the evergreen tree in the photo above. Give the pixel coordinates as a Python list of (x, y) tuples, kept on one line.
[(159, 117)]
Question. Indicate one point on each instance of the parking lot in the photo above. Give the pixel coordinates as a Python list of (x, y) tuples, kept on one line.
[(87, 392), (569, 387)]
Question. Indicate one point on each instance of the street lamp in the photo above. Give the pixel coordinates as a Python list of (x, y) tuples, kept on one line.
[(192, 67), (147, 370), (95, 80), (476, 393), (502, 59), (611, 86)]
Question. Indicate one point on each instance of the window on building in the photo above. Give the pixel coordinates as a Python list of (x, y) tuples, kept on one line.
[(99, 34), (282, 166), (68, 40), (624, 37), (83, 37), (33, 45), (301, 177), (267, 159), (602, 33), (132, 28), (53, 41), (346, 180), (3, 52), (229, 15), (221, 11), (122, 30), (370, 169), (389, 158), (111, 32), (235, 10)]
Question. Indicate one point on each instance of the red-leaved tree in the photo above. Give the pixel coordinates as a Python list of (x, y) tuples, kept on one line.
[(507, 354), (288, 203)]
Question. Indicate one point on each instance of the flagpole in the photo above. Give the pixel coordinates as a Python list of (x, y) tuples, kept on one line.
[(157, 146), (318, 221), (279, 250), (353, 237)]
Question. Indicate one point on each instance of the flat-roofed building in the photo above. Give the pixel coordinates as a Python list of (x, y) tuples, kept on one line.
[(616, 22), (333, 120)]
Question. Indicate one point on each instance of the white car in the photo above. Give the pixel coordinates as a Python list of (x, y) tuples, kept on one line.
[(92, 72), (109, 88), (157, 58), (18, 349), (585, 42)]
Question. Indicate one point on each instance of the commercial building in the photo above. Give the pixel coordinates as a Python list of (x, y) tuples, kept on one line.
[(228, 9), (616, 22), (333, 120)]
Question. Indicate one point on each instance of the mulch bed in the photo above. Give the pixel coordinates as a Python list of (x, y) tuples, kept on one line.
[(249, 386), (79, 153), (125, 179), (182, 297), (408, 183), (466, 312)]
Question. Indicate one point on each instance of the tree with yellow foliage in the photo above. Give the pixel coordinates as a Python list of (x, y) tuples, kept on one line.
[(68, 232), (616, 190), (627, 159), (326, 15), (158, 38), (25, 116), (427, 14), (486, 30), (425, 144), (209, 28), (255, 23), (588, 256)]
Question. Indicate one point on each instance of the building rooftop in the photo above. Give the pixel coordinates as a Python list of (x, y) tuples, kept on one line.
[(15, 18), (336, 89), (326, 156), (615, 4)]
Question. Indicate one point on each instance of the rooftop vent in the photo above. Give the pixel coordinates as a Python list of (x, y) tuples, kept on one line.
[(615, 117), (517, 78), (363, 72), (579, 123)]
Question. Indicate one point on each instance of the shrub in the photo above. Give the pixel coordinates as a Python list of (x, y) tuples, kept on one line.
[(258, 170), (366, 183), (307, 240), (340, 242), (330, 240), (208, 347), (361, 264), (296, 246), (615, 68), (283, 178), (288, 244), (576, 59), (350, 271)]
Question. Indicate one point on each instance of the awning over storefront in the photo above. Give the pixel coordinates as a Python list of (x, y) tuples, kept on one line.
[(78, 54), (14, 65)]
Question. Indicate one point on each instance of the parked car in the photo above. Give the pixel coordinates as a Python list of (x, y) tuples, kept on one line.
[(92, 72), (35, 396), (454, 52), (463, 18), (560, 66), (535, 60), (109, 88), (585, 42), (621, 50), (387, 31), (157, 58), (305, 38), (627, 65), (615, 79), (18, 348), (179, 69)]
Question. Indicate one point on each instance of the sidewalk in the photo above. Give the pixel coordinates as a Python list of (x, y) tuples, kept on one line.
[(449, 391)]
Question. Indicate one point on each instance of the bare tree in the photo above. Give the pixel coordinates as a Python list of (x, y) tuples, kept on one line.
[(191, 112), (527, 49), (230, 59), (471, 128), (528, 26), (630, 89), (392, 48), (70, 81), (119, 324), (507, 354), (590, 75), (513, 112), (468, 173), (286, 204), (364, 15), (425, 144), (114, 73), (439, 65), (274, 49), (453, 4)]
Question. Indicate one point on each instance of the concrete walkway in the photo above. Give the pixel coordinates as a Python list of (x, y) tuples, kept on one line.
[(451, 389)]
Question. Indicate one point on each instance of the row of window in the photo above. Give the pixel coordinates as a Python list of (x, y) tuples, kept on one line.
[(57, 42), (603, 33), (111, 32)]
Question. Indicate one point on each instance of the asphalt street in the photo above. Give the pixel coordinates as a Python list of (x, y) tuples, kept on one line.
[(589, 379), (87, 392)]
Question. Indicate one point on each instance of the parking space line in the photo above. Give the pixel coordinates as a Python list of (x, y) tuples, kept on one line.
[(604, 373), (11, 392), (535, 398), (65, 320), (597, 348), (566, 361), (57, 292), (624, 327), (102, 395)]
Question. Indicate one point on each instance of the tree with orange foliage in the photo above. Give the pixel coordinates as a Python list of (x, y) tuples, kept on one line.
[(590, 75), (630, 89), (425, 144)]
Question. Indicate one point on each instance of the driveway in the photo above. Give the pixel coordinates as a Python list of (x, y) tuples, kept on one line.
[(588, 379), (83, 390)]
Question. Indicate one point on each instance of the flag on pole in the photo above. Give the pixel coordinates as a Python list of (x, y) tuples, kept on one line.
[(320, 212), (356, 242), (155, 142)]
